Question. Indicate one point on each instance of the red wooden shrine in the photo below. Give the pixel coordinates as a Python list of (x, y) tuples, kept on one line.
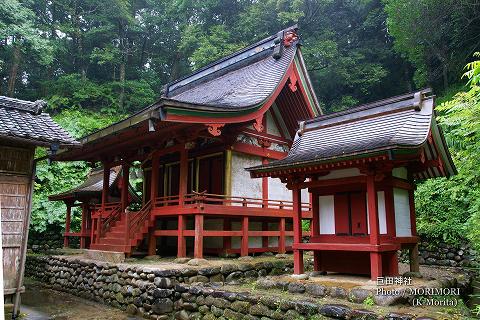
[(87, 197), (360, 166), (194, 145)]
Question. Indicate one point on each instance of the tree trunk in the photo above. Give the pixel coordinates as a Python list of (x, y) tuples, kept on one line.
[(445, 76), (14, 70), (121, 97)]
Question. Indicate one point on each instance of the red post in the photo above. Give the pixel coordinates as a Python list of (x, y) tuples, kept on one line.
[(183, 176), (83, 226), (181, 246), (125, 183), (375, 265), (67, 225), (198, 245), (373, 210), (154, 178), (315, 225), (375, 257), (281, 239), (297, 231), (244, 245), (265, 187), (152, 242), (105, 190), (413, 221), (315, 229), (390, 212)]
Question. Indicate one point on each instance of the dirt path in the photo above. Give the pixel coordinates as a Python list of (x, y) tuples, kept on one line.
[(39, 303)]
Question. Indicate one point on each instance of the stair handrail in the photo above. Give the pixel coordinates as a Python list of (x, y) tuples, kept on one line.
[(136, 219), (114, 216)]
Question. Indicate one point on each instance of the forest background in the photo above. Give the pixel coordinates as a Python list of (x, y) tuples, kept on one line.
[(96, 62)]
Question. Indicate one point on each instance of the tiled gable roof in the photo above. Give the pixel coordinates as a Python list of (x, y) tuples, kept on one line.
[(20, 119), (402, 122)]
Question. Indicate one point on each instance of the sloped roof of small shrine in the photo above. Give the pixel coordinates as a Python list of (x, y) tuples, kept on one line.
[(400, 123), (92, 186)]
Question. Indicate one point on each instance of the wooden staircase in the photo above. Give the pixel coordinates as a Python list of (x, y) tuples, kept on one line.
[(123, 232)]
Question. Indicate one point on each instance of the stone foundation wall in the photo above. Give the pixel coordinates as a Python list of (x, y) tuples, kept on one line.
[(184, 293), (442, 254)]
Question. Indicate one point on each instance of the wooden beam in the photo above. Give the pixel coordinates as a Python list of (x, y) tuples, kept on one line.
[(282, 238), (198, 244), (83, 226), (244, 245), (373, 210), (67, 226), (125, 182), (183, 175), (298, 267), (181, 244), (257, 151)]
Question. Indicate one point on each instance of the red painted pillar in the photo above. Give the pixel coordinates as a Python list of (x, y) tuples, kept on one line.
[(181, 245), (152, 240), (375, 257), (183, 176), (124, 199), (83, 226), (265, 187), (390, 211), (281, 239), (105, 191), (413, 221), (198, 245), (125, 183), (154, 178), (315, 229), (67, 225), (297, 231), (244, 245)]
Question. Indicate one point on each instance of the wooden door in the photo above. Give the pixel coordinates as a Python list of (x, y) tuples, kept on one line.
[(211, 174), (358, 211), (342, 214)]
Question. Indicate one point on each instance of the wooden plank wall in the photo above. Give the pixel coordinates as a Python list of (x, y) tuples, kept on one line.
[(14, 198)]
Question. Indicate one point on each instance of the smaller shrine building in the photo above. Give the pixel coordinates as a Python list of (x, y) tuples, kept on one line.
[(88, 197), (360, 166)]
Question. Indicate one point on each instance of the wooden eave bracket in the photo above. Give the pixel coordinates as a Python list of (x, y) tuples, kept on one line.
[(258, 125), (214, 128)]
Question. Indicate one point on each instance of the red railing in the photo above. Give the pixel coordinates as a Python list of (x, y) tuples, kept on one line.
[(220, 199), (135, 220), (114, 214)]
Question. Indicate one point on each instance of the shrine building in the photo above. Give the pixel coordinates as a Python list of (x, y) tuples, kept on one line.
[(360, 165), (194, 144)]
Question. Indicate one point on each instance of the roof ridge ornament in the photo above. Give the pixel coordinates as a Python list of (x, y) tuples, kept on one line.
[(417, 100)]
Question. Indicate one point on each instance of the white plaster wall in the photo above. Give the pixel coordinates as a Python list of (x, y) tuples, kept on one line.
[(242, 184), (278, 191), (382, 213), (272, 126), (401, 201), (327, 214)]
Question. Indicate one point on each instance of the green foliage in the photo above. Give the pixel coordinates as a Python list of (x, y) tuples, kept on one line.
[(437, 36), (450, 209)]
